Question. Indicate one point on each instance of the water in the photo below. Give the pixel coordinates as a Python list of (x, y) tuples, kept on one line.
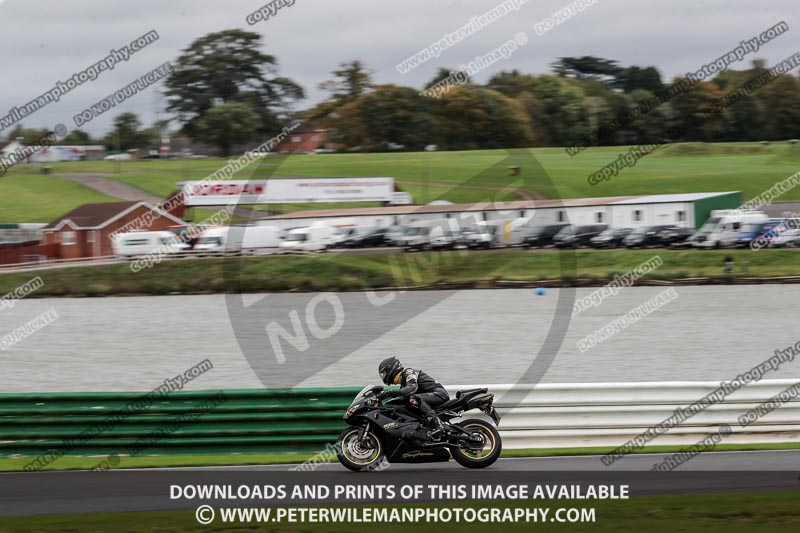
[(472, 336)]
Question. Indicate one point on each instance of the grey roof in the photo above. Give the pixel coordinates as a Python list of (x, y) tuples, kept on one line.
[(421, 209), (491, 206), (671, 198)]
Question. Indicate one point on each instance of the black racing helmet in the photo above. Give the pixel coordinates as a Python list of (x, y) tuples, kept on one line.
[(389, 369)]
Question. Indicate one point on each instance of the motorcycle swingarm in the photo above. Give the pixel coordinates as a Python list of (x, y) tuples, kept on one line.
[(463, 439)]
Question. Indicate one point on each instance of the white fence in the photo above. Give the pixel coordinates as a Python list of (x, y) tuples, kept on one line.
[(609, 414)]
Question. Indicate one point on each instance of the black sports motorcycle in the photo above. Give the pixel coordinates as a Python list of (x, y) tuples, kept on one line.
[(398, 433)]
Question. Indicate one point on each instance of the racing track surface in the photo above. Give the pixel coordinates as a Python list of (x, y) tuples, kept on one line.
[(148, 490)]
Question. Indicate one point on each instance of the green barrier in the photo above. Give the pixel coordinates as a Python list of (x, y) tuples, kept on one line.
[(186, 422)]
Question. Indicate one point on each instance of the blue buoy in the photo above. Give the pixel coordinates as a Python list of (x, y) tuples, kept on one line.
[(540, 291)]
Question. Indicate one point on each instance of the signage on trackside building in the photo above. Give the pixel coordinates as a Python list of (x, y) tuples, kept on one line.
[(283, 191)]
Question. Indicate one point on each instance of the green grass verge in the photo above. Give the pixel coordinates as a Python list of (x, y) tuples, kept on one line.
[(37, 198), (686, 167), (776, 512), (347, 272), (167, 461)]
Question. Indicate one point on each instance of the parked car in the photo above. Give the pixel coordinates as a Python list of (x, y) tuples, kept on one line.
[(449, 240), (341, 234), (646, 236), (722, 227), (365, 237), (786, 239), (765, 230), (117, 157), (610, 238), (575, 236), (540, 236), (393, 234), (676, 237)]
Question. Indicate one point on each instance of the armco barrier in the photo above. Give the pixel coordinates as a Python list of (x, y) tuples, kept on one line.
[(284, 420), (553, 415), (246, 421)]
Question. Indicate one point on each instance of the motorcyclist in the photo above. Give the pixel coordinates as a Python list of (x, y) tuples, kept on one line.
[(422, 391)]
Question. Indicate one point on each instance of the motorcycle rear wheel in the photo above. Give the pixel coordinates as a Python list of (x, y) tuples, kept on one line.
[(353, 455), (492, 445)]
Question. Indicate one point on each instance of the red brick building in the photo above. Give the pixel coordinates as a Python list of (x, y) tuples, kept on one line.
[(86, 230), (24, 252), (305, 139)]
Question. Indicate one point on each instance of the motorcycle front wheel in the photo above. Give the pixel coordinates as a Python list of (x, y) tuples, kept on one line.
[(357, 455), (486, 456)]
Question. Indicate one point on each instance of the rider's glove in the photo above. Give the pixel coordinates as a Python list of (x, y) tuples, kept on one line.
[(391, 393)]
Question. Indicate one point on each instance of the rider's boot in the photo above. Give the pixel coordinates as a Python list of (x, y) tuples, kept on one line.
[(436, 431)]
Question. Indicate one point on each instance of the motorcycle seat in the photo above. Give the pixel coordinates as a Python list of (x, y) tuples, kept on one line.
[(447, 405), (461, 398)]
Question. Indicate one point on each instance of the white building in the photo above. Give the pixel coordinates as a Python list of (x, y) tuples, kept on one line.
[(54, 154), (689, 210)]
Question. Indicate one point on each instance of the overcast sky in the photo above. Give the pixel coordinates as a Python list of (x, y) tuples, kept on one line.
[(44, 41)]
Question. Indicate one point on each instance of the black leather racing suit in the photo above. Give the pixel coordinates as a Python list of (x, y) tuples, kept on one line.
[(422, 391)]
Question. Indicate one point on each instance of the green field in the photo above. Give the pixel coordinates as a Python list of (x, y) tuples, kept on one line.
[(353, 272), (776, 512), (455, 176), (37, 198)]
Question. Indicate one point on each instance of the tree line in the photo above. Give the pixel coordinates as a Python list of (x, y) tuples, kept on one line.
[(516, 109), (225, 91)]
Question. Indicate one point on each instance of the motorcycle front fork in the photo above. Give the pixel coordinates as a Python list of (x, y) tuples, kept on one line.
[(362, 432)]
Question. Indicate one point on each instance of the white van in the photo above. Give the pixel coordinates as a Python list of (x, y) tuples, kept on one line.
[(419, 235), (721, 228), (478, 235), (212, 240), (494, 233), (342, 228), (239, 238), (147, 242), (310, 239)]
